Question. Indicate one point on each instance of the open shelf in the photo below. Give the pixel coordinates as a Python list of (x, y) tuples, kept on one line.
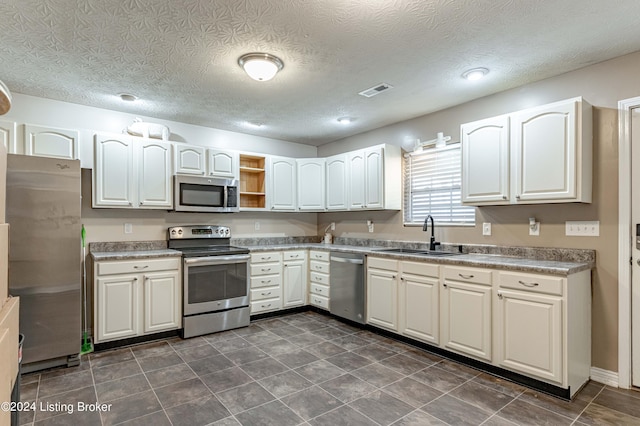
[(252, 181)]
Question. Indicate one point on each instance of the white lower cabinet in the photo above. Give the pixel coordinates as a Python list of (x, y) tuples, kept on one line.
[(294, 278), (466, 311), (319, 279), (266, 281), (382, 293), (419, 301), (131, 303)]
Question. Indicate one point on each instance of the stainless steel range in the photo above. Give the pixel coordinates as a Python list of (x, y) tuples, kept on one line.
[(215, 279)]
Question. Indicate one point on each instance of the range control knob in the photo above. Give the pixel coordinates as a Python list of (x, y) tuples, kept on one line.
[(179, 231), (173, 232)]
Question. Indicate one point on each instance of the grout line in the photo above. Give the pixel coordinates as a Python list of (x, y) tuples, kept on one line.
[(152, 388)]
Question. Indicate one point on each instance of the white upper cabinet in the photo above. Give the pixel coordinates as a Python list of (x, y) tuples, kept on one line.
[(356, 179), (154, 175), (538, 155), (8, 135), (374, 178), (337, 182), (222, 163), (113, 171), (283, 183), (311, 184), (552, 152), (485, 161), (190, 159), (50, 142), (131, 173)]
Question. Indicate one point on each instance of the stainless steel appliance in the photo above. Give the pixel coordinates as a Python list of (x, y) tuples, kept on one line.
[(43, 211), (206, 195), (215, 279), (347, 286)]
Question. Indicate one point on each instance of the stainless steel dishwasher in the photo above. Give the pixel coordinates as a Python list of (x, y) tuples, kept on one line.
[(346, 292)]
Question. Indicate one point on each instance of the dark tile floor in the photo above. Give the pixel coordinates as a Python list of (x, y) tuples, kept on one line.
[(303, 368)]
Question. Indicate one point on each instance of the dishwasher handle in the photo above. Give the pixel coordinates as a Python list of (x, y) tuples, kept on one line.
[(347, 260)]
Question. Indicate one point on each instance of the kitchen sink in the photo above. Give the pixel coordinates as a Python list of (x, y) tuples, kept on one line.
[(417, 251)]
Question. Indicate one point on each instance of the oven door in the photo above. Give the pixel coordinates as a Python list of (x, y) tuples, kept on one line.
[(215, 283)]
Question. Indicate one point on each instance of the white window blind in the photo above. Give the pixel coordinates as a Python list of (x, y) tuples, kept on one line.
[(432, 181)]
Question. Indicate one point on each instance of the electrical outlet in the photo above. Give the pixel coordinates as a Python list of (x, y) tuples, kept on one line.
[(370, 225), (486, 228), (583, 228), (256, 226), (534, 229), (128, 228), (333, 226)]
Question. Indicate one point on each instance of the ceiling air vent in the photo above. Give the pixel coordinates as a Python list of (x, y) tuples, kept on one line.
[(378, 88)]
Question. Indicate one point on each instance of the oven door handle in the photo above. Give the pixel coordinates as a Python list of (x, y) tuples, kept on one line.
[(217, 260)]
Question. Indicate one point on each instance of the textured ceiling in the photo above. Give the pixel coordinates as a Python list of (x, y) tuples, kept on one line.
[(180, 57)]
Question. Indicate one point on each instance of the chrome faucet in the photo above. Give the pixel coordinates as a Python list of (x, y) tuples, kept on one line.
[(432, 241)]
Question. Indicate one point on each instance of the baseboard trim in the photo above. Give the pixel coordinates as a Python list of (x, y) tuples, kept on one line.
[(604, 376)]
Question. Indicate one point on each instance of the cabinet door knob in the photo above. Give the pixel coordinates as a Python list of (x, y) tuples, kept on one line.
[(518, 197), (499, 295), (444, 285), (504, 197)]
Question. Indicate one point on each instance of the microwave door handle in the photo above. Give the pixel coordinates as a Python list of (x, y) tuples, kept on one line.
[(226, 196)]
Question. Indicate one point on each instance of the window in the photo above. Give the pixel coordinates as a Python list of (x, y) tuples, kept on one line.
[(432, 181)]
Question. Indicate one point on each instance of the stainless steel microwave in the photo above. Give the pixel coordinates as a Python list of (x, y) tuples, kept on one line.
[(206, 194)]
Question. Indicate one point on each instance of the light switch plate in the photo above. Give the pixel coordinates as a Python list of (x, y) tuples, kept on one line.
[(582, 228), (128, 228), (486, 228)]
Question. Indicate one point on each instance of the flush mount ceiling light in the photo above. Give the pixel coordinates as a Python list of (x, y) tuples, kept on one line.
[(260, 66), (127, 97), (475, 74)]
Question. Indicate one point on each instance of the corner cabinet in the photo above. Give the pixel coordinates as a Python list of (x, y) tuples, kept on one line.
[(374, 178), (131, 173), (130, 303), (538, 155)]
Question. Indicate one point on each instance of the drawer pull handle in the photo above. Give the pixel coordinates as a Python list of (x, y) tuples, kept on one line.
[(265, 269), (318, 267), (140, 267), (466, 277), (266, 294), (266, 306), (528, 284), (265, 282), (266, 258)]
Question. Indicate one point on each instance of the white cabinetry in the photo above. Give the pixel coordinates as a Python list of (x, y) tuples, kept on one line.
[(50, 142), (294, 278), (374, 178), (266, 281), (222, 163), (382, 293), (538, 155), (8, 131), (419, 302), (319, 279), (485, 161), (129, 302), (311, 184), (283, 183), (337, 182), (190, 159), (466, 311), (543, 326), (131, 173)]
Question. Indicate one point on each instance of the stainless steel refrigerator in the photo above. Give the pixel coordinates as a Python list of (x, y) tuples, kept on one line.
[(43, 212)]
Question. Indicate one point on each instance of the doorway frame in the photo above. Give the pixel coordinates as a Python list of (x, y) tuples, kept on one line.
[(625, 240)]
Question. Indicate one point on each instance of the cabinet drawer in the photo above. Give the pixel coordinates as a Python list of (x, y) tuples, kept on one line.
[(136, 266), (319, 255), (265, 257), (423, 269), (315, 266), (265, 269), (265, 293), (319, 301), (533, 283), (293, 255), (380, 263), (319, 277), (318, 290), (265, 305), (266, 281), (471, 275)]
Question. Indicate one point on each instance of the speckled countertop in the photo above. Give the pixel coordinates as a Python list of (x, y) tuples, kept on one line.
[(472, 259), (555, 261)]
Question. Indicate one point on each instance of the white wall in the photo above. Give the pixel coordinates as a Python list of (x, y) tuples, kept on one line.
[(48, 112)]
